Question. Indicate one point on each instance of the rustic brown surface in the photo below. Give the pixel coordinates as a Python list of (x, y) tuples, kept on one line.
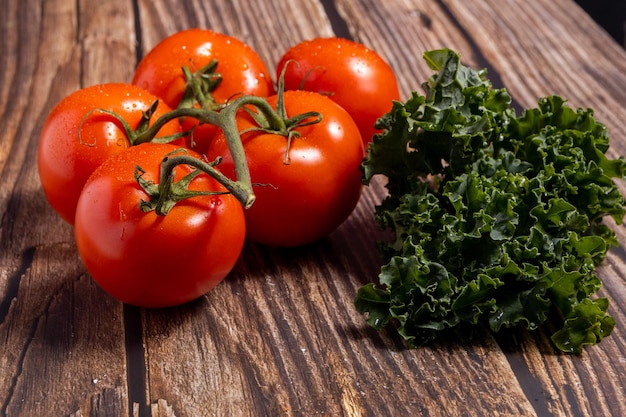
[(280, 336)]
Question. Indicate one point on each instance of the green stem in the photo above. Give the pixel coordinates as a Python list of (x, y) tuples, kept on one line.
[(228, 123), (213, 117), (148, 135), (242, 190), (200, 86), (226, 119)]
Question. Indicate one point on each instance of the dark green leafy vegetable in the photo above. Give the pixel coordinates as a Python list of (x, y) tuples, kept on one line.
[(497, 218)]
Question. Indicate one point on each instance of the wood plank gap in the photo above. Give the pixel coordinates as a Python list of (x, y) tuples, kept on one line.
[(13, 281), (337, 22), (138, 32), (19, 367), (135, 362), (79, 42), (9, 396)]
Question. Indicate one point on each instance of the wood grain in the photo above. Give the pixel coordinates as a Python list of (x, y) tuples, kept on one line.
[(61, 336), (280, 337)]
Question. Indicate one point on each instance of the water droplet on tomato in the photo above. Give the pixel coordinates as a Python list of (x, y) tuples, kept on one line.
[(122, 213)]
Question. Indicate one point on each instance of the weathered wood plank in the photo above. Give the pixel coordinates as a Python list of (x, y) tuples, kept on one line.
[(107, 41), (58, 349), (63, 346)]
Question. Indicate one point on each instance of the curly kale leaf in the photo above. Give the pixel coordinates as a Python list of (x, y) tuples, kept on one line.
[(497, 218)]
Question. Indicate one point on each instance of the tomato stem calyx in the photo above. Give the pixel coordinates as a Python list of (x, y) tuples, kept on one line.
[(291, 123), (200, 85), (168, 192)]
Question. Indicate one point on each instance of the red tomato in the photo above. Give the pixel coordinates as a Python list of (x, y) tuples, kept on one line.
[(304, 200), (76, 138), (145, 259), (352, 75), (241, 68)]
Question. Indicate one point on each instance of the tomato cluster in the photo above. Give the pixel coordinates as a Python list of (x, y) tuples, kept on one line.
[(163, 178)]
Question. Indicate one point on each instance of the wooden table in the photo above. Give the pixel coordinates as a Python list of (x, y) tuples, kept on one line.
[(280, 337)]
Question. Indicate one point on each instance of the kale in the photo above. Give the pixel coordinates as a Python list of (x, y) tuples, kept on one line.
[(497, 218)]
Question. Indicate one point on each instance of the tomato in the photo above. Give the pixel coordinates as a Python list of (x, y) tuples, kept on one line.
[(242, 72), (352, 75), (151, 260), (304, 198), (76, 138)]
